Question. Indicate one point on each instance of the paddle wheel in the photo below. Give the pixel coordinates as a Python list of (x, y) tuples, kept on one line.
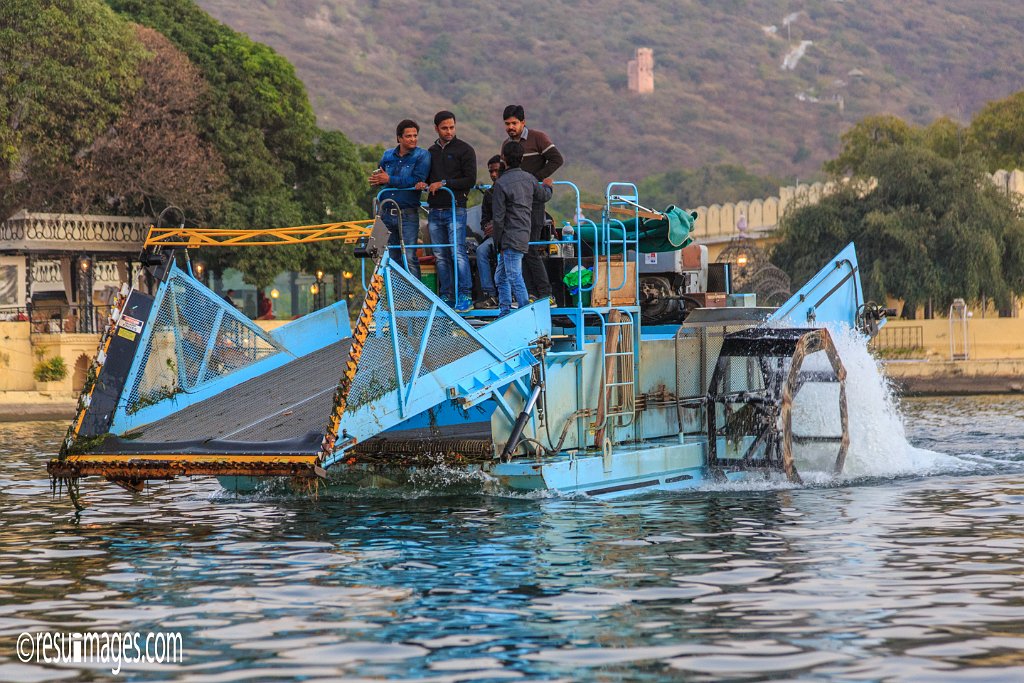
[(762, 374)]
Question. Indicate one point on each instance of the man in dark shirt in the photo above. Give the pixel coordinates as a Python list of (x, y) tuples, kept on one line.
[(402, 167), (515, 194), (452, 166), (486, 252), (542, 159)]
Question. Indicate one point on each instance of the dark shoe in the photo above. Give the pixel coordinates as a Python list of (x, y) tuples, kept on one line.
[(487, 303)]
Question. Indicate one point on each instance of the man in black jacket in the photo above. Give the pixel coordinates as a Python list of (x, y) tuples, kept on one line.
[(452, 166)]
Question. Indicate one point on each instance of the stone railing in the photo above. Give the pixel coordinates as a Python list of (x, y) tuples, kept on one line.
[(58, 231), (46, 271)]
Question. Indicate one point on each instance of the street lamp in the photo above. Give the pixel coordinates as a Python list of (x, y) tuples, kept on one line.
[(348, 283), (85, 283), (318, 291)]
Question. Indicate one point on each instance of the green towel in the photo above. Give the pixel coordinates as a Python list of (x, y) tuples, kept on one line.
[(656, 234)]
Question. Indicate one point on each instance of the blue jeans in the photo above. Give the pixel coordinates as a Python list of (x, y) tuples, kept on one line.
[(510, 280), (410, 233), (440, 224), (484, 253)]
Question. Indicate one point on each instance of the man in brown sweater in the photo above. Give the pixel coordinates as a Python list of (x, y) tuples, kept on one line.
[(542, 159)]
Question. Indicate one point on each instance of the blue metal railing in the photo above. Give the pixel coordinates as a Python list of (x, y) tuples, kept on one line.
[(378, 205)]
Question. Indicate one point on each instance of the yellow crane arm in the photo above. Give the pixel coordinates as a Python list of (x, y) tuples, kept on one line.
[(193, 238)]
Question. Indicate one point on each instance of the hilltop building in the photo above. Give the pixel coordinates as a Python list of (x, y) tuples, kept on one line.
[(641, 71)]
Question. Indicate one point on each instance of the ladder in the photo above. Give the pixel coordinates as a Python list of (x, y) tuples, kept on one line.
[(618, 380)]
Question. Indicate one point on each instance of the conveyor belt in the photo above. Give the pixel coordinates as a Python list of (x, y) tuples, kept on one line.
[(283, 409)]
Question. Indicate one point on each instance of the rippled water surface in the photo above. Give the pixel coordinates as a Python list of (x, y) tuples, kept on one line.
[(910, 576)]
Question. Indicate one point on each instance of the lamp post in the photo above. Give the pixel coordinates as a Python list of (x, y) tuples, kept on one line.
[(318, 291), (85, 283), (347, 275)]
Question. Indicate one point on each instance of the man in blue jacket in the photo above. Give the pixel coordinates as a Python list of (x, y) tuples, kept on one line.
[(403, 167)]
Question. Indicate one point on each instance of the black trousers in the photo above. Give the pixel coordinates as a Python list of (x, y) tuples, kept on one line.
[(534, 272)]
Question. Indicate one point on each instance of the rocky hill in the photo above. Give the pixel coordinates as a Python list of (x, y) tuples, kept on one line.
[(736, 81)]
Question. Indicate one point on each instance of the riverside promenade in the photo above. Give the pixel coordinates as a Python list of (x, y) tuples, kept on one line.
[(925, 357)]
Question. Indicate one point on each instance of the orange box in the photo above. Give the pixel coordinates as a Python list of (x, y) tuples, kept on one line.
[(691, 257)]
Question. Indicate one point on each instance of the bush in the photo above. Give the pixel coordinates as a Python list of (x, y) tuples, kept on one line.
[(51, 370)]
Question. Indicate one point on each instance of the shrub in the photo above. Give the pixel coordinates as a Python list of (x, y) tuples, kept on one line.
[(50, 370)]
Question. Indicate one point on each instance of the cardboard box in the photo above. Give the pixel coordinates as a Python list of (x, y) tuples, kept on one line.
[(626, 295)]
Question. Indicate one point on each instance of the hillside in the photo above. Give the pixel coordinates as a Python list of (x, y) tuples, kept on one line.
[(736, 81)]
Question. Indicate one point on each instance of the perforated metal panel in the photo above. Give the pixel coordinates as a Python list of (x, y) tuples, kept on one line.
[(408, 310), (194, 338), (286, 403)]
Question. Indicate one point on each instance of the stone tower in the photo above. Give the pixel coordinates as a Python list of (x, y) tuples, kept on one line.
[(641, 71)]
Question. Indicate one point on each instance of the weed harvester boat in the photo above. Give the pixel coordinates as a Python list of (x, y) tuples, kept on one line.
[(582, 396)]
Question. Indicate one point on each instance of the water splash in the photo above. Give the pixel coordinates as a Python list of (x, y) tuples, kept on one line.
[(878, 436)]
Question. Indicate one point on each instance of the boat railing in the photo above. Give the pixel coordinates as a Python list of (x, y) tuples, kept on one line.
[(378, 204)]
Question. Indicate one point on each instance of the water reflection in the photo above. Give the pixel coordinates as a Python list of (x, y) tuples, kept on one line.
[(910, 579)]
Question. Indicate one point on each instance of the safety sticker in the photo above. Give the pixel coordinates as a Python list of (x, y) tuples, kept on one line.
[(127, 334), (133, 324)]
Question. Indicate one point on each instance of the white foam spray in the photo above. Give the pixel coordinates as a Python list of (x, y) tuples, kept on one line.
[(878, 439)]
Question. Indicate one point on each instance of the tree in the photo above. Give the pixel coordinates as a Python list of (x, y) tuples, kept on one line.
[(867, 136), (66, 71), (998, 132), (153, 155), (929, 228), (945, 137), (282, 169)]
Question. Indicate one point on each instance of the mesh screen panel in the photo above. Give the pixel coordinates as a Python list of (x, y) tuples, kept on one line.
[(285, 403), (194, 339), (408, 312)]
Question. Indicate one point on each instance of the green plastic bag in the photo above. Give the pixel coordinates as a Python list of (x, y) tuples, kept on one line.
[(578, 277)]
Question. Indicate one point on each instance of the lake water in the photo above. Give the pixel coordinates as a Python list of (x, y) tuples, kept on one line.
[(909, 569)]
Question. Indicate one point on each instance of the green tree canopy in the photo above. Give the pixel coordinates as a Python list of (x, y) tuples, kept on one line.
[(926, 228), (998, 132), (66, 71), (282, 169), (864, 139)]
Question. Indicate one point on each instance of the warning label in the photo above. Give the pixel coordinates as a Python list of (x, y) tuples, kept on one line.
[(130, 323)]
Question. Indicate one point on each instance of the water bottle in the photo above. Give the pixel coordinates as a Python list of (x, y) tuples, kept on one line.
[(569, 235)]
